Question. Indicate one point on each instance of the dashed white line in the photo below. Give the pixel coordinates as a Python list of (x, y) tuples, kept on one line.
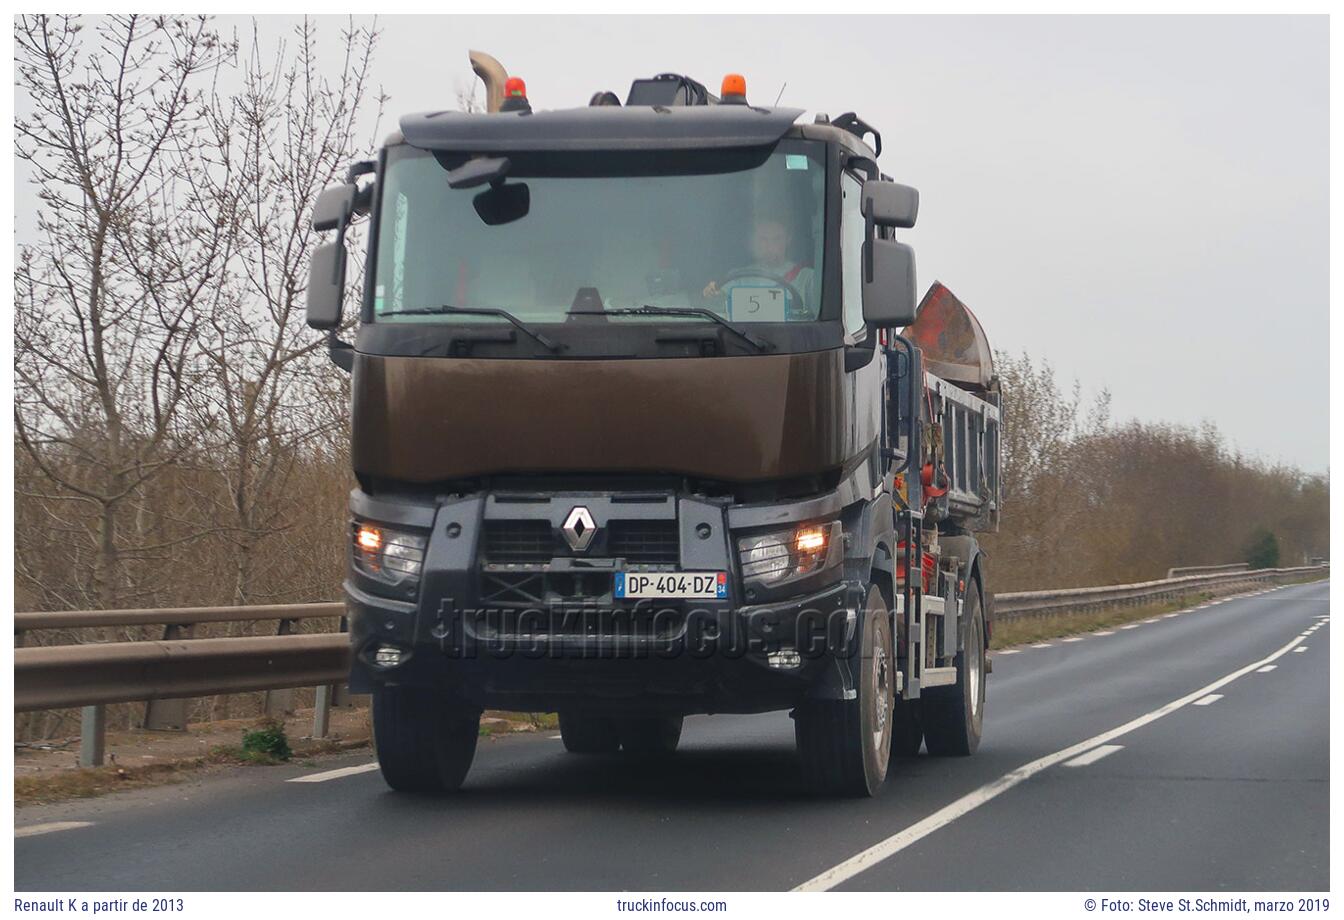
[(1094, 755), (33, 830), (1300, 648), (1007, 651), (1132, 626), (335, 774), (1153, 620), (1042, 645), (1168, 616), (556, 737), (1208, 700), (1266, 669), (944, 816), (1072, 639), (1106, 632)]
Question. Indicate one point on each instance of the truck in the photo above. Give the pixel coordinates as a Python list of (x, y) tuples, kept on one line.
[(647, 423)]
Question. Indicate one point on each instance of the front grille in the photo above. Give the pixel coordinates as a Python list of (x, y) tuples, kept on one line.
[(534, 541), (664, 622), (519, 541), (646, 542)]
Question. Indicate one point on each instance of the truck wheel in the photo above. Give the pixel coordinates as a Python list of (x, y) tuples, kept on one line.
[(425, 741), (907, 731), (658, 735), (845, 744), (953, 715), (588, 734)]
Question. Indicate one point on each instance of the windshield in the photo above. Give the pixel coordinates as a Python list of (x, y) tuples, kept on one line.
[(739, 234)]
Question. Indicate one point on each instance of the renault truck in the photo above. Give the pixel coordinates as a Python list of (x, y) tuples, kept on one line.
[(647, 422)]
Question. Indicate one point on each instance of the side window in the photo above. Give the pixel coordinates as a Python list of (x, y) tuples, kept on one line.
[(851, 253)]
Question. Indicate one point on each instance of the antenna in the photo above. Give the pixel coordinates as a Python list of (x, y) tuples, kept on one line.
[(781, 93)]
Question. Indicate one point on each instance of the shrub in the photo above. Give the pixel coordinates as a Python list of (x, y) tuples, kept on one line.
[(267, 740)]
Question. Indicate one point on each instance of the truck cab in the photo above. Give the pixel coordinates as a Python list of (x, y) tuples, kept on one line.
[(630, 436)]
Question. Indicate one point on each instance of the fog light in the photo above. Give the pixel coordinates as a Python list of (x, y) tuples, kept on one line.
[(784, 658), (387, 656)]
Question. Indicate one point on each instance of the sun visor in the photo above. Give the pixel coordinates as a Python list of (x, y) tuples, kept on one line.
[(954, 345), (600, 128)]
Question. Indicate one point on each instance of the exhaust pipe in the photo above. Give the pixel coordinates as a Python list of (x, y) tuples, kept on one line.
[(493, 75)]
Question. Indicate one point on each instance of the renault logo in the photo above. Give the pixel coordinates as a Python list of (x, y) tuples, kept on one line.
[(579, 529)]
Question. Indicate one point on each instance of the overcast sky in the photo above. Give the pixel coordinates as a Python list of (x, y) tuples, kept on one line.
[(1140, 201)]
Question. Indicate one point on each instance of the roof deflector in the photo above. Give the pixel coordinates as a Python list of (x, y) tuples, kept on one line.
[(599, 128)]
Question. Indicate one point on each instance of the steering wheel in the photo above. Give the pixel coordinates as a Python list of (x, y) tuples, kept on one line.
[(799, 308)]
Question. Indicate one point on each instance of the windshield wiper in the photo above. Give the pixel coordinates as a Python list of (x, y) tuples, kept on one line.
[(647, 310), (518, 324)]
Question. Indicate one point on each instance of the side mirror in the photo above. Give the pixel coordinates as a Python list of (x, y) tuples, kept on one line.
[(890, 204), (334, 207), (326, 285), (888, 284)]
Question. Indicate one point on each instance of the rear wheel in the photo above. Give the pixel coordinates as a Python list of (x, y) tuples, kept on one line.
[(845, 745), (907, 729), (588, 734), (650, 736), (424, 740), (953, 715)]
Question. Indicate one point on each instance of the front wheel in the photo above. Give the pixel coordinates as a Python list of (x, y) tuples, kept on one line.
[(424, 740), (650, 737), (583, 734), (953, 715), (845, 745)]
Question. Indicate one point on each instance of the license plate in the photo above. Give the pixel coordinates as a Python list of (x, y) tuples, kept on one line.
[(672, 584)]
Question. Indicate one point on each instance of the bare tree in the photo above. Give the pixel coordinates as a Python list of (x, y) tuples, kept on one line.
[(108, 303), (291, 131)]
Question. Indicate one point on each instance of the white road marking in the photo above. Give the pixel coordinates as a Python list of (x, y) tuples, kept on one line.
[(1300, 648), (33, 830), (1073, 639), (1094, 755), (336, 774), (1208, 700), (1132, 626), (1153, 620), (556, 737), (944, 816), (1106, 632), (1266, 669), (1007, 651), (1043, 645), (1168, 616)]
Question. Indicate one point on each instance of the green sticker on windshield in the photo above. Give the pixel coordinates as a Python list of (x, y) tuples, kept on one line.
[(795, 161)]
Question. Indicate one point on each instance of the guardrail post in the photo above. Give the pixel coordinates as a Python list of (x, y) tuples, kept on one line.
[(168, 715), (280, 703), (322, 711), (92, 736)]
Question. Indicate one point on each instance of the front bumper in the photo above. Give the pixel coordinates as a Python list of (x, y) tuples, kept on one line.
[(537, 645)]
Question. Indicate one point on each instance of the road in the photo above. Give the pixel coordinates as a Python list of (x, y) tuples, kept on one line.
[(1105, 767)]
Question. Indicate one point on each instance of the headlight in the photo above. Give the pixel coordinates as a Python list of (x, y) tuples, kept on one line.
[(393, 557), (782, 554)]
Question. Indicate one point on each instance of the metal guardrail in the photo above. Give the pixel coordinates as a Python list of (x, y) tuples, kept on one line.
[(1041, 603), (94, 675), (1207, 569)]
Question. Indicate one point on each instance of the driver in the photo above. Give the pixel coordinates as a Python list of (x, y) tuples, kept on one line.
[(771, 242)]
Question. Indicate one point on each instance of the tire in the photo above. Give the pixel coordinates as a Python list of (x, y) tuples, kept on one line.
[(650, 737), (907, 728), (588, 734), (953, 715), (845, 745), (425, 741)]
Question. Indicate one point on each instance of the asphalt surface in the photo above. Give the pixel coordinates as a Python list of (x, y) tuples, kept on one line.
[(1233, 794)]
